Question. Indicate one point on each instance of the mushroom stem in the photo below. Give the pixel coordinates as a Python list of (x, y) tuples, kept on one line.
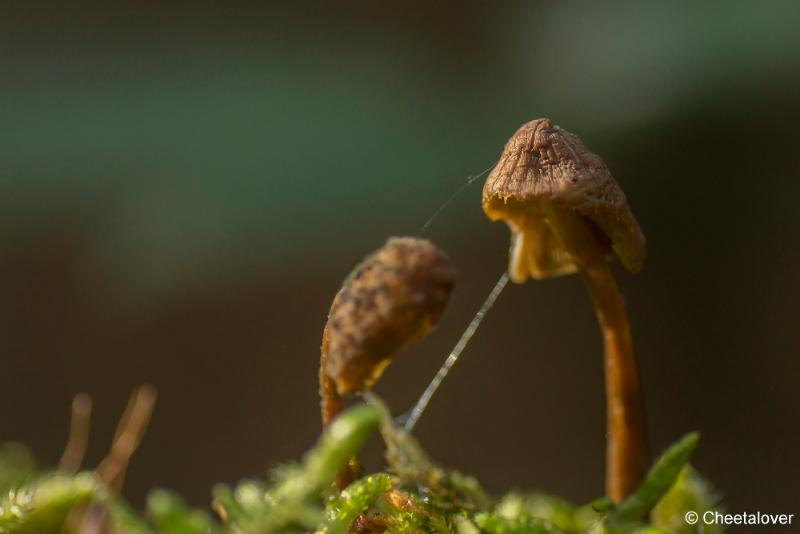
[(331, 403), (626, 456), (626, 460)]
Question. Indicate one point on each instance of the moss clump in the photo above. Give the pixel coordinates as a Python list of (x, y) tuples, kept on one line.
[(413, 495)]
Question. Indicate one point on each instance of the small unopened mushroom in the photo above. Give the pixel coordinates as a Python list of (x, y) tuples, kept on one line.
[(394, 297), (567, 214)]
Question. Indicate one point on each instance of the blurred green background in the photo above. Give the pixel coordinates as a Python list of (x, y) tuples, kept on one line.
[(183, 188)]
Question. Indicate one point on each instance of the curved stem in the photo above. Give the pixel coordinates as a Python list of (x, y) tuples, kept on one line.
[(331, 405), (626, 457)]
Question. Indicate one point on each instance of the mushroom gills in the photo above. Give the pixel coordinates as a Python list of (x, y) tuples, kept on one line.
[(535, 250)]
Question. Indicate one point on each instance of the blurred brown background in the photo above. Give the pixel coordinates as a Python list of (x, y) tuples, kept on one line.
[(183, 189)]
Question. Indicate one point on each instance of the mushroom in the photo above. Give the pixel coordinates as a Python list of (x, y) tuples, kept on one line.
[(393, 298), (567, 214)]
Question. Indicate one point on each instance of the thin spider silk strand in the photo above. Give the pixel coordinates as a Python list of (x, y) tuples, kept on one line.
[(451, 360)]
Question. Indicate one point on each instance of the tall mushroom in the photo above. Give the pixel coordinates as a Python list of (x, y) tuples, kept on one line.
[(394, 297), (567, 214)]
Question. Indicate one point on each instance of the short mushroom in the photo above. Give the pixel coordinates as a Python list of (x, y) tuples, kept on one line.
[(393, 298), (567, 214)]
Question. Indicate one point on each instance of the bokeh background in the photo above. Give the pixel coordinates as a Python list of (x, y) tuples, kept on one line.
[(183, 188)]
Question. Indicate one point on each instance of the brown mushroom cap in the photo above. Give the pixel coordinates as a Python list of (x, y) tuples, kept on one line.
[(394, 297), (542, 162)]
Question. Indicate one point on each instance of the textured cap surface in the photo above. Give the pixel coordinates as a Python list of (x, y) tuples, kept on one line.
[(395, 296), (542, 161)]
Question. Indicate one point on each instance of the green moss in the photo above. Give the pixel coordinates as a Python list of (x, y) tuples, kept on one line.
[(522, 524), (690, 492), (414, 496), (658, 482), (170, 515), (344, 508), (16, 466), (46, 504)]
